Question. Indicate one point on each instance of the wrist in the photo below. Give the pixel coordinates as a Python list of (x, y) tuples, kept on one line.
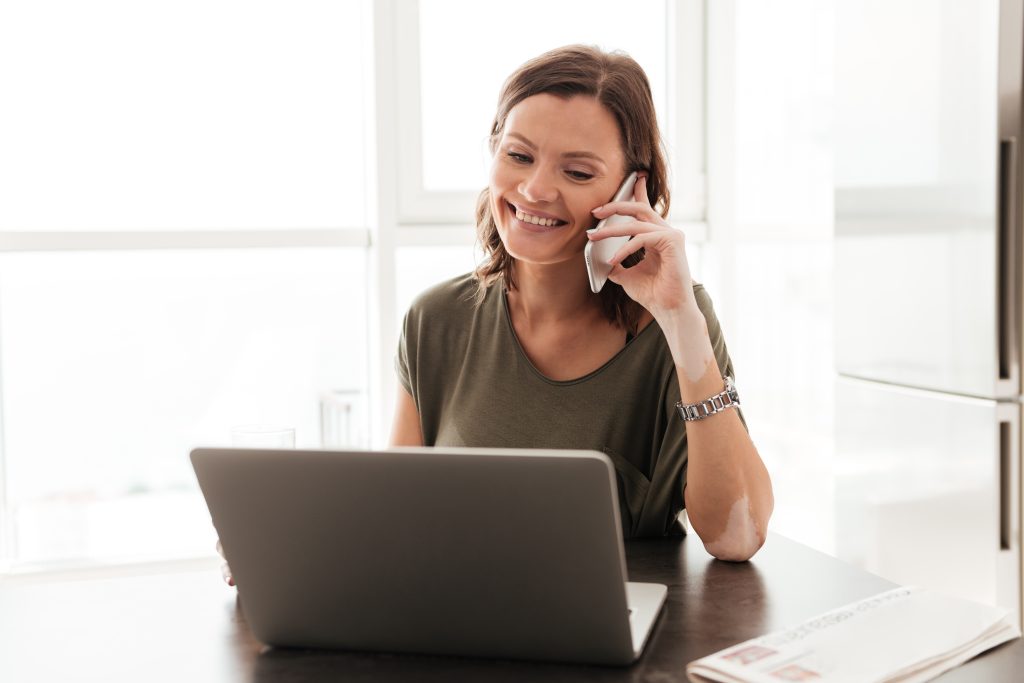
[(683, 327), (686, 332), (684, 310), (717, 403)]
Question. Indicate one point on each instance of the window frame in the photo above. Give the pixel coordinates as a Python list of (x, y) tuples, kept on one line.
[(683, 128), (400, 212)]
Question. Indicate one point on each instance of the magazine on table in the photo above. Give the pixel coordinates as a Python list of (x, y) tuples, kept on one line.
[(907, 634)]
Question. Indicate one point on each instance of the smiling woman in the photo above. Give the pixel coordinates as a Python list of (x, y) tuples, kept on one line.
[(604, 131), (520, 353)]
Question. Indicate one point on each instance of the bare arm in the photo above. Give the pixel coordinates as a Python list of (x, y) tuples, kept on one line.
[(728, 494), (405, 430)]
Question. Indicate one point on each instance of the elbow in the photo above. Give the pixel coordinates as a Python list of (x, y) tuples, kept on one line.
[(735, 534), (736, 550), (742, 538)]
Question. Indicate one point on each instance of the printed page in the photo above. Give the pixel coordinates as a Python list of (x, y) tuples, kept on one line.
[(907, 632)]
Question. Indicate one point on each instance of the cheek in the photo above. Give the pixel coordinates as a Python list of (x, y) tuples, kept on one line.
[(498, 185), (583, 207), (495, 200), (499, 178)]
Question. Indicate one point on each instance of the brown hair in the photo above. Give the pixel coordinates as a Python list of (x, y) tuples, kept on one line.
[(621, 86)]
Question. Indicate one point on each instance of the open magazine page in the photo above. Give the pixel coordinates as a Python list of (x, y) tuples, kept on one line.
[(906, 634)]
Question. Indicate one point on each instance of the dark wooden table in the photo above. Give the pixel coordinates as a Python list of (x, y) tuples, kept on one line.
[(186, 627)]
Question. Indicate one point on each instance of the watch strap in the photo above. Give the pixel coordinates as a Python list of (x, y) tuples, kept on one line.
[(727, 398)]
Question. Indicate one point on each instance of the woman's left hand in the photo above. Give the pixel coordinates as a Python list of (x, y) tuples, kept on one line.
[(661, 282)]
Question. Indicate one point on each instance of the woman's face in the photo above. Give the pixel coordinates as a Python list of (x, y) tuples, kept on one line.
[(557, 159)]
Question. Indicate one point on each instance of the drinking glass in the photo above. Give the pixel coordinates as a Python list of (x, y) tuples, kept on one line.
[(342, 416)]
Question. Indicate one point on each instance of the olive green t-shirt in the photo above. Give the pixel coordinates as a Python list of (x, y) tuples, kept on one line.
[(474, 386)]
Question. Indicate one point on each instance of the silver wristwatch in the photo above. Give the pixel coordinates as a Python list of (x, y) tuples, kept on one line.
[(716, 404)]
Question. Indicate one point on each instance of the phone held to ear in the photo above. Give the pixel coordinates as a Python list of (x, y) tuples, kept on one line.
[(598, 254)]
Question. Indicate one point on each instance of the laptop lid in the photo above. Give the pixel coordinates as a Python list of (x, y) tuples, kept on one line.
[(480, 552)]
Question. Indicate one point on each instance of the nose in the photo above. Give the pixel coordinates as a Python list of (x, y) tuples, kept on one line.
[(538, 185)]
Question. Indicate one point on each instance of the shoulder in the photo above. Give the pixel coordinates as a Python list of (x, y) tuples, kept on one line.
[(445, 299), (715, 333), (700, 293), (441, 324), (704, 303)]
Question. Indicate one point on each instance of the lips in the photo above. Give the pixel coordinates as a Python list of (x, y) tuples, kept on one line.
[(535, 220)]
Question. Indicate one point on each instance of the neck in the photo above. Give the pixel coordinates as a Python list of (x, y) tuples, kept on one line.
[(552, 293)]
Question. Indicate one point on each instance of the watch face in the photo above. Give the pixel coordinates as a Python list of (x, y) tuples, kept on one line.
[(730, 387)]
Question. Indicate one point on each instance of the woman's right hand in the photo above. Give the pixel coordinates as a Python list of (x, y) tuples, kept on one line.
[(225, 570)]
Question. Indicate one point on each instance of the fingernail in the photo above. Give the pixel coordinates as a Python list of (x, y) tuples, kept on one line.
[(597, 209)]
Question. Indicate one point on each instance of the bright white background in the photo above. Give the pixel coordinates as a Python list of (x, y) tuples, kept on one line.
[(455, 159), (199, 228)]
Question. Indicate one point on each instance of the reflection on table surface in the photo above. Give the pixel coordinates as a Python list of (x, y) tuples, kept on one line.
[(190, 626)]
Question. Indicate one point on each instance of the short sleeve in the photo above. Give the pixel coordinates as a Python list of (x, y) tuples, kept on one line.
[(402, 365), (431, 340)]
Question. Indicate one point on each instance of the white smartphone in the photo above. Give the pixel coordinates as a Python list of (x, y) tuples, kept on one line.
[(597, 254)]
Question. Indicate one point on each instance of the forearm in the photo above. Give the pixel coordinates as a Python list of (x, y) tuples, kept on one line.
[(728, 494)]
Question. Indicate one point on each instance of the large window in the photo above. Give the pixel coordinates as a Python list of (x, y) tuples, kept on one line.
[(116, 363), (183, 218), (215, 213), (454, 159), (183, 115)]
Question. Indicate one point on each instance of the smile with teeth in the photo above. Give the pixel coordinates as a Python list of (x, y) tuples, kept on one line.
[(536, 220)]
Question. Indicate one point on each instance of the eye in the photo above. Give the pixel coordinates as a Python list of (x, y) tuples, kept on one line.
[(521, 158), (579, 175)]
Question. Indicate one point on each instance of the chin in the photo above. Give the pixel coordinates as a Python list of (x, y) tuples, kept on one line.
[(541, 255)]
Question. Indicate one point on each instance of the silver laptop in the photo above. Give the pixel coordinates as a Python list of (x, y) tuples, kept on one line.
[(478, 552)]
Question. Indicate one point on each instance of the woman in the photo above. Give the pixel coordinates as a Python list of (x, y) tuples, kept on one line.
[(521, 353)]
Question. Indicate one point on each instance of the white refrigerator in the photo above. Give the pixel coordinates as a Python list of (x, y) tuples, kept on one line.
[(928, 298)]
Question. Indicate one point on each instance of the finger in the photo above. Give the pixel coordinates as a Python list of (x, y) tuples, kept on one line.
[(640, 210), (640, 189), (633, 246), (623, 229), (225, 571)]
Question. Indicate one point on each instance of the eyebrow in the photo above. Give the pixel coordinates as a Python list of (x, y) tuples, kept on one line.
[(572, 155)]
